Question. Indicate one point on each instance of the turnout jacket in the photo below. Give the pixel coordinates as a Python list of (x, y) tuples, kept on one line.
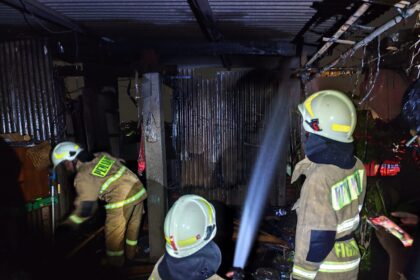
[(328, 213), (107, 179)]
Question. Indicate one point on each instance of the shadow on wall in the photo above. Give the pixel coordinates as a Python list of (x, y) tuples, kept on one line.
[(219, 141), (15, 253)]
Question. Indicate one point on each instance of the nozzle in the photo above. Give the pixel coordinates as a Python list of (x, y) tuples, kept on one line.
[(236, 273)]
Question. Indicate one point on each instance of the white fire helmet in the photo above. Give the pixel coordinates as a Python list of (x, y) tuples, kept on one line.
[(189, 225), (331, 114), (65, 151)]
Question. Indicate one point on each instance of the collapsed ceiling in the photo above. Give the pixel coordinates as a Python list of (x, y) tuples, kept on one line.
[(222, 28)]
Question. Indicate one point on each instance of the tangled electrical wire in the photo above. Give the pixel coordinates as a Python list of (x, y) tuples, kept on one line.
[(359, 72), (372, 81), (413, 57)]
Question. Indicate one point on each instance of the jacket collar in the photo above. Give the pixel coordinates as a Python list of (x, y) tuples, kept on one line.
[(302, 168)]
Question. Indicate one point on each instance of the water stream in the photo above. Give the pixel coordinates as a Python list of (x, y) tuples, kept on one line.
[(273, 146)]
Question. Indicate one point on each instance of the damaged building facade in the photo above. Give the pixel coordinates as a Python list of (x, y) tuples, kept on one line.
[(200, 97)]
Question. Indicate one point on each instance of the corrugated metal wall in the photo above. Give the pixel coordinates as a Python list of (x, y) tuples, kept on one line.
[(29, 102), (217, 129)]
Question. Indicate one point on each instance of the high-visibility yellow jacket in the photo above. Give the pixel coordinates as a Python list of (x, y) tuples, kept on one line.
[(107, 179), (328, 213)]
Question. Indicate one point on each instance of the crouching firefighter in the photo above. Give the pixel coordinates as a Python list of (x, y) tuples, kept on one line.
[(105, 177), (333, 191), (190, 227)]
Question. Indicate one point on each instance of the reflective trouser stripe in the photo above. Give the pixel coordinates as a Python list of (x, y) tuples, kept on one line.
[(129, 200), (327, 267), (348, 224), (76, 219), (336, 267), (301, 272), (114, 253), (131, 242), (112, 179)]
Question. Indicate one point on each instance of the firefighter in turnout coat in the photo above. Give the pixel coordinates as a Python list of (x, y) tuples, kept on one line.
[(333, 191), (104, 177)]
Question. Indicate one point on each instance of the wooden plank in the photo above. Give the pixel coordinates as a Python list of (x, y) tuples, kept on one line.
[(84, 242), (263, 237), (15, 137), (33, 182), (141, 271), (154, 132)]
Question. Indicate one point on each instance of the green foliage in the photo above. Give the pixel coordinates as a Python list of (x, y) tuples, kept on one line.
[(365, 126), (374, 139), (374, 205)]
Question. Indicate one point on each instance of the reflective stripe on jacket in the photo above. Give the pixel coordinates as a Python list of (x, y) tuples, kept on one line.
[(328, 209), (107, 179)]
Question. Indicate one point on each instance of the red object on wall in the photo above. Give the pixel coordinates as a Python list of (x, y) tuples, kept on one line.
[(141, 161), (390, 168), (371, 168), (387, 168)]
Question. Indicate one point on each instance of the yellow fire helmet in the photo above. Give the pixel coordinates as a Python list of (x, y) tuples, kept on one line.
[(189, 226), (331, 114), (65, 151)]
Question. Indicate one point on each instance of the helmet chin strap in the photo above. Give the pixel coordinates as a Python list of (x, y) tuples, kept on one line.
[(314, 124), (209, 231), (73, 165), (74, 162)]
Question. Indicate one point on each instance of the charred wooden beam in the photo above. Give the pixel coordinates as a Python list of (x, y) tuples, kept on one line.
[(33, 7), (205, 18), (69, 70), (204, 15), (335, 38), (411, 10), (213, 48)]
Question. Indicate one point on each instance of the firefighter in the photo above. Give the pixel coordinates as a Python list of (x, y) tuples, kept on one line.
[(189, 227), (404, 260), (333, 191), (105, 177)]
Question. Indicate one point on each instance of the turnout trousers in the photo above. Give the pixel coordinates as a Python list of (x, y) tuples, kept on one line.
[(342, 263), (121, 232)]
